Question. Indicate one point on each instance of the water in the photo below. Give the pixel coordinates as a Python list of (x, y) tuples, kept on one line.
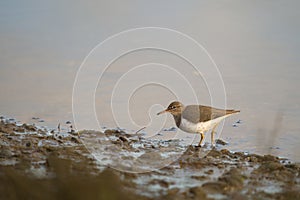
[(254, 44)]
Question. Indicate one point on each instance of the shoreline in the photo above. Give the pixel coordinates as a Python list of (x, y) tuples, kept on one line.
[(218, 173)]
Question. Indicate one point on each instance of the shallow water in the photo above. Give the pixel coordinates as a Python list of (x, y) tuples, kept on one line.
[(254, 44)]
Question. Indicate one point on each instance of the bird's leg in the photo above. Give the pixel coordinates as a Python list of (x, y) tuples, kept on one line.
[(202, 137), (213, 131)]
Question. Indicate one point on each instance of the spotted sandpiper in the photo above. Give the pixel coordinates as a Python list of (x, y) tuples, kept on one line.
[(197, 118)]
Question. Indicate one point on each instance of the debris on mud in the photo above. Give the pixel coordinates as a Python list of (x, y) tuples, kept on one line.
[(40, 164)]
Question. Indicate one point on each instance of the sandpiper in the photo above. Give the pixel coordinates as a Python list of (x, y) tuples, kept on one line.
[(197, 118)]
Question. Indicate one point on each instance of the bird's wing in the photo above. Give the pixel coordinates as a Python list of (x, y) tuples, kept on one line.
[(196, 113)]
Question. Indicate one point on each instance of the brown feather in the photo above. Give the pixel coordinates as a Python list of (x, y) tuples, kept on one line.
[(196, 113)]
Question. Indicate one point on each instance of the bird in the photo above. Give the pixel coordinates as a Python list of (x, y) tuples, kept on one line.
[(197, 118)]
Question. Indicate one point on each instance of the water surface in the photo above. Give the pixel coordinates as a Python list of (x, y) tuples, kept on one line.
[(254, 44)]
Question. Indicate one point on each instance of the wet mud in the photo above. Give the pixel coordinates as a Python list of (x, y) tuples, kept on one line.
[(36, 163)]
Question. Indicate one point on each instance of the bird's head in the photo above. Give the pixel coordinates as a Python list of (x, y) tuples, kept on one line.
[(175, 108)]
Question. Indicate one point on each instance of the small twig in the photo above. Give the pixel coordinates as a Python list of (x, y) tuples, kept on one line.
[(58, 127), (140, 130)]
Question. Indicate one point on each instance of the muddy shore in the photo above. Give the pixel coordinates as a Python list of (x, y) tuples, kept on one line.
[(37, 163)]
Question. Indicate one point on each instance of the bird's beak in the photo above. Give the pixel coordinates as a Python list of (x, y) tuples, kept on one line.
[(161, 112)]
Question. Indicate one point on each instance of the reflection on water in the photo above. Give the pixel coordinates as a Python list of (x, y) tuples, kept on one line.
[(255, 46)]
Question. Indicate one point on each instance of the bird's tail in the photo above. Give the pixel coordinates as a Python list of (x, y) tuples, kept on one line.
[(232, 111)]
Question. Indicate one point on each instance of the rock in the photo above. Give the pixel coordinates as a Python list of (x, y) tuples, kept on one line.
[(270, 158), (214, 187), (239, 155), (7, 128), (233, 178), (294, 166), (123, 139), (270, 166), (151, 156), (160, 182), (200, 178), (198, 193), (28, 144), (209, 172), (288, 195), (75, 140), (191, 162), (18, 129), (214, 153), (29, 127), (173, 192), (238, 121), (115, 132), (6, 153), (225, 151), (221, 166), (221, 142), (238, 196), (251, 159), (285, 175)]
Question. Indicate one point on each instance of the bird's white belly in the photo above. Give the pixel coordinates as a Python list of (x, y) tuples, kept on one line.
[(188, 126), (200, 127)]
